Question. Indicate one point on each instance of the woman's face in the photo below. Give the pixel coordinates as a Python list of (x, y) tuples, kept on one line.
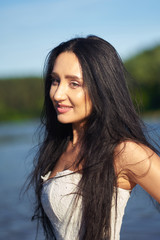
[(68, 93)]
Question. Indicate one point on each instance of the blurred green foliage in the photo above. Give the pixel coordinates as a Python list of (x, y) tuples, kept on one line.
[(22, 98), (145, 70)]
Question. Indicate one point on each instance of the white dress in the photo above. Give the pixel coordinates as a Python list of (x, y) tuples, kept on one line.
[(57, 200)]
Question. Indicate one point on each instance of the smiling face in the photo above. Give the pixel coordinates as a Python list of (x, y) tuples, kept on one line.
[(68, 93)]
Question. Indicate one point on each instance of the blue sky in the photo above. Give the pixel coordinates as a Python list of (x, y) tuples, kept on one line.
[(31, 28)]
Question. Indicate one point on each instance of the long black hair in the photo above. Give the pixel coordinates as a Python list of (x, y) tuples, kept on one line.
[(113, 120)]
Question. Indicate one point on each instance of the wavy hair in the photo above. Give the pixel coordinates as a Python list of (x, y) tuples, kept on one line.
[(112, 121)]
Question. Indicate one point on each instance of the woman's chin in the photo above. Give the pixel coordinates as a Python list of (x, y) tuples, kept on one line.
[(63, 120)]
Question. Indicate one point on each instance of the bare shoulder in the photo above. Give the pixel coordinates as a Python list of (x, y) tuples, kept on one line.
[(139, 165), (129, 152)]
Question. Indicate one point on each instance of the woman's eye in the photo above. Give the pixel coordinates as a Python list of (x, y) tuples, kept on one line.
[(55, 81), (74, 84)]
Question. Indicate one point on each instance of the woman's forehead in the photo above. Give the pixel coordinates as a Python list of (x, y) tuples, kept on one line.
[(67, 63)]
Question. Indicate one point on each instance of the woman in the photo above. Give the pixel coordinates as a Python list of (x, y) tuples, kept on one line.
[(94, 149)]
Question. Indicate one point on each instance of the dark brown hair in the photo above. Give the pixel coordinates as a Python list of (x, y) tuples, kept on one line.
[(112, 121)]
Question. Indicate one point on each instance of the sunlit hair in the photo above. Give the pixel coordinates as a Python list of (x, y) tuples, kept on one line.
[(112, 121)]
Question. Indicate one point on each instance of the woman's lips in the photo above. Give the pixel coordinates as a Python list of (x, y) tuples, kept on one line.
[(63, 108)]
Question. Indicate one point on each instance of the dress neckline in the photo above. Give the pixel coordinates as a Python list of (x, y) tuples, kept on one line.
[(69, 172), (58, 174)]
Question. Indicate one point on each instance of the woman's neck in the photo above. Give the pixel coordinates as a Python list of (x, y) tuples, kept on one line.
[(77, 133)]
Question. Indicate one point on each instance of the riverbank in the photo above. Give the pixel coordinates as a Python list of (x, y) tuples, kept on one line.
[(153, 116)]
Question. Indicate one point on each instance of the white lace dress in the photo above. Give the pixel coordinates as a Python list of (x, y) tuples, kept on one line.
[(57, 200)]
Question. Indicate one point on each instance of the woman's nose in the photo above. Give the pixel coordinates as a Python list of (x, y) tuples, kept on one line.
[(59, 93)]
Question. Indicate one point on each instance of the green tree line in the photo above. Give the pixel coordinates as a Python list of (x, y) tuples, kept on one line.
[(145, 70), (22, 98)]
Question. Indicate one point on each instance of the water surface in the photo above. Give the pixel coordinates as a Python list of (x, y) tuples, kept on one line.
[(141, 220)]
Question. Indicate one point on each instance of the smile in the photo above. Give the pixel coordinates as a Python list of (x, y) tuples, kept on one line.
[(63, 108)]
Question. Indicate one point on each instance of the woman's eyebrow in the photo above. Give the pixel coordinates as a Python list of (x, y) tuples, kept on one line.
[(53, 74), (73, 77)]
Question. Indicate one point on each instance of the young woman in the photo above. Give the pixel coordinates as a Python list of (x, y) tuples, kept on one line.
[(94, 149)]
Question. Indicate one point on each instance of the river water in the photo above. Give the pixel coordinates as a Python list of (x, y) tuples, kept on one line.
[(141, 220)]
